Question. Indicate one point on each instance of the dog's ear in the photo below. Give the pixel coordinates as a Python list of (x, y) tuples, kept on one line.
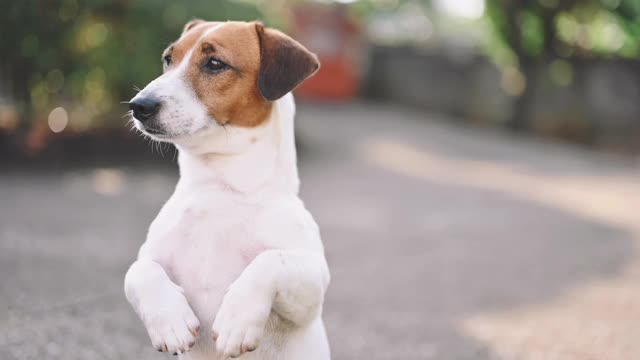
[(284, 63), (191, 24)]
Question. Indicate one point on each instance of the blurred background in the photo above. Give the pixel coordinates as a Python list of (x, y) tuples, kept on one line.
[(473, 166)]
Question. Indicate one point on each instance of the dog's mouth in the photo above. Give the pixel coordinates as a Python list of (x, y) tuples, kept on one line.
[(154, 131)]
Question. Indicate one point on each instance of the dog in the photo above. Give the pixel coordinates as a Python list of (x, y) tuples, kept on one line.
[(233, 265)]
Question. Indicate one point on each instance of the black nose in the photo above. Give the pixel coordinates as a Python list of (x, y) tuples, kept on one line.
[(144, 108)]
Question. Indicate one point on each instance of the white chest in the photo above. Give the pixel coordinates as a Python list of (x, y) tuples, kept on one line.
[(204, 241)]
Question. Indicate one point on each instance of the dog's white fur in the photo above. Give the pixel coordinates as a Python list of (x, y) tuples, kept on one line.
[(233, 252)]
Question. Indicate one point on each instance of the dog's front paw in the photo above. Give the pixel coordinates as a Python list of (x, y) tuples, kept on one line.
[(171, 324), (240, 322)]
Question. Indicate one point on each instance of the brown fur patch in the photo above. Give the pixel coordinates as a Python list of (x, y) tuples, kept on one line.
[(234, 96), (284, 63), (230, 96)]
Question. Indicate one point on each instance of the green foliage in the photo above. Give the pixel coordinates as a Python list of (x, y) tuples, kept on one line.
[(553, 33), (532, 33), (87, 55), (565, 28)]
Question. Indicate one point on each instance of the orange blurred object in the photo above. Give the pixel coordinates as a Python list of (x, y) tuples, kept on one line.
[(329, 32)]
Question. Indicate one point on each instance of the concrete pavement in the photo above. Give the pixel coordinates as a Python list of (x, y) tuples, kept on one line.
[(444, 242)]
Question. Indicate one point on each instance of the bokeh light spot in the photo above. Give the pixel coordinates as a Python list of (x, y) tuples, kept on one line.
[(108, 181), (96, 34), (58, 119), (8, 117), (612, 37), (513, 82), (469, 9)]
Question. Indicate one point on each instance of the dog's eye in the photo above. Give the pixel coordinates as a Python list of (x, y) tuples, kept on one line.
[(167, 60), (215, 65)]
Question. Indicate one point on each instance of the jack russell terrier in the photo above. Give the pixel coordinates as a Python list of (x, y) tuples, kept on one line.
[(233, 265)]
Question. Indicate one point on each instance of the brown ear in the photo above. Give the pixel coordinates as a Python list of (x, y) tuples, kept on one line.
[(191, 24), (284, 63)]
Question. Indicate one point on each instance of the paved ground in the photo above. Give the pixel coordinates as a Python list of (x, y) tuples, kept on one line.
[(444, 243)]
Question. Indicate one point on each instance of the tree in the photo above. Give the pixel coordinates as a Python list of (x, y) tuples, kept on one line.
[(536, 32)]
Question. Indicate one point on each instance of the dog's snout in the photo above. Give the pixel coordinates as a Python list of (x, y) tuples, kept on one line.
[(144, 108)]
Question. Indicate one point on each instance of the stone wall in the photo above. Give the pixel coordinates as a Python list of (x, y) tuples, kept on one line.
[(601, 106)]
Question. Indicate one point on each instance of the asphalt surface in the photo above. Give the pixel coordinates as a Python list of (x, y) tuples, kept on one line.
[(444, 243)]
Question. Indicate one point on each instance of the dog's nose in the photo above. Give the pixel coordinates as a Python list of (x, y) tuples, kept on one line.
[(144, 108)]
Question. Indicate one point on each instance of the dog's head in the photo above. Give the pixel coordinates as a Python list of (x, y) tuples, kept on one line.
[(220, 74)]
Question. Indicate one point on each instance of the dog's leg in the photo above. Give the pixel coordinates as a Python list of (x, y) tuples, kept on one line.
[(292, 283), (162, 306)]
